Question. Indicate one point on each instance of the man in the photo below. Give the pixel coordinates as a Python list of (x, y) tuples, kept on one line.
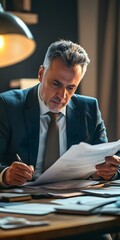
[(24, 117)]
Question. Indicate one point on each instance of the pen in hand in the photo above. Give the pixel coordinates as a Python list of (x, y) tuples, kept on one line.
[(18, 158)]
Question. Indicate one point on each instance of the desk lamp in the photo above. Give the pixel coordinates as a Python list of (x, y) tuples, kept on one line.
[(16, 40)]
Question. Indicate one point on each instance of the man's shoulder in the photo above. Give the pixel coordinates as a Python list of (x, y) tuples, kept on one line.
[(82, 99), (12, 94), (15, 95)]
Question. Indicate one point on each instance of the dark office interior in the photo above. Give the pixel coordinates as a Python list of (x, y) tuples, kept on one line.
[(93, 24)]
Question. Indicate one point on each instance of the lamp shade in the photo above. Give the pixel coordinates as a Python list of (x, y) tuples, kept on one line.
[(16, 41)]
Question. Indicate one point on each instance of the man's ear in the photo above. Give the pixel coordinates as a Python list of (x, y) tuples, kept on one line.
[(40, 73)]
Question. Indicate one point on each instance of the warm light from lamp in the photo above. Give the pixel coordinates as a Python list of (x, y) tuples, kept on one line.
[(16, 40), (11, 52), (1, 42)]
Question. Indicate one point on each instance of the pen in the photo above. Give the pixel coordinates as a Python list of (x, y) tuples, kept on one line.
[(18, 158)]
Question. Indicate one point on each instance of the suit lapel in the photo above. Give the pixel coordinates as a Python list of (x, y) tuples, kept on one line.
[(77, 129), (32, 120)]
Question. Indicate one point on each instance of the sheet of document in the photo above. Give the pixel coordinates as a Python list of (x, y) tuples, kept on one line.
[(113, 183), (84, 200), (104, 192), (10, 222), (111, 209), (63, 189), (82, 205), (81, 209), (27, 208), (78, 162), (70, 185)]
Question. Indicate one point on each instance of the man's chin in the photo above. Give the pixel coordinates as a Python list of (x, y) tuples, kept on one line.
[(55, 108)]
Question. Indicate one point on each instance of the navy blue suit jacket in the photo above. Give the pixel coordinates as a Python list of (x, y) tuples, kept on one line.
[(20, 123)]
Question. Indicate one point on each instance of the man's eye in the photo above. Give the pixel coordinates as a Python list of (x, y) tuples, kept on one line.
[(71, 88), (56, 84)]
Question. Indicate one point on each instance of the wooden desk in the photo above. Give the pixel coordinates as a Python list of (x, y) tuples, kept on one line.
[(62, 227)]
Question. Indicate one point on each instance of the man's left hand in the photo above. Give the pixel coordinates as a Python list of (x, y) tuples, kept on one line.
[(108, 169)]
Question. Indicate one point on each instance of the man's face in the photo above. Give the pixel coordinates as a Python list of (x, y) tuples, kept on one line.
[(58, 84)]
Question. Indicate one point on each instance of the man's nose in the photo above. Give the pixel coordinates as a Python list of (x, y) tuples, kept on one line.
[(62, 93)]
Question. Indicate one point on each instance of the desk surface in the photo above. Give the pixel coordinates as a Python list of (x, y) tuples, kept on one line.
[(62, 225)]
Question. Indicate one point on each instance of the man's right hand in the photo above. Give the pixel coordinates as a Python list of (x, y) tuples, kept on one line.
[(17, 174)]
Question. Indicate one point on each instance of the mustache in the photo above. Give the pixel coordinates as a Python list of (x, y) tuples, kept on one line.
[(57, 99)]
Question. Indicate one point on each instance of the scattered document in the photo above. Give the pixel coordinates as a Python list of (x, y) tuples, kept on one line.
[(82, 205), (15, 222), (84, 200), (27, 208), (111, 209), (113, 183), (78, 162), (59, 189), (70, 188), (111, 191), (80, 209), (70, 185)]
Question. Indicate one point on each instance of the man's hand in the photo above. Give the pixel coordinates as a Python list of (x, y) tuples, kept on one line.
[(108, 169), (17, 174)]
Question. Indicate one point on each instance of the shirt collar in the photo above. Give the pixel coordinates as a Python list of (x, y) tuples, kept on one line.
[(43, 108)]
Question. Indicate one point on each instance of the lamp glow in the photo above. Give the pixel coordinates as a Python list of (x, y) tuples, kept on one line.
[(1, 42), (16, 40)]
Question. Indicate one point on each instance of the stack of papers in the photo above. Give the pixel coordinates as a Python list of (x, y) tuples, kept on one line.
[(110, 191), (82, 205), (27, 208), (78, 162), (113, 183), (111, 209), (75, 205), (84, 200)]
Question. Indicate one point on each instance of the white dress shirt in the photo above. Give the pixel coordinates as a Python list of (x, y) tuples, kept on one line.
[(44, 122)]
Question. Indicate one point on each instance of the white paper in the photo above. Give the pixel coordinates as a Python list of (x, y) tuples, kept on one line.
[(105, 192), (83, 204), (27, 208), (111, 209), (84, 200), (81, 209), (70, 185), (78, 162)]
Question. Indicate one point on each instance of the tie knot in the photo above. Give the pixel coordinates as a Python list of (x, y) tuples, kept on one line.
[(53, 116)]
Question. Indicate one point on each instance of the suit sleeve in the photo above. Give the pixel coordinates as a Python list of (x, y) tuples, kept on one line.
[(4, 131), (100, 135)]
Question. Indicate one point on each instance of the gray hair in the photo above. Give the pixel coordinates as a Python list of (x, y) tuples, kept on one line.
[(70, 53)]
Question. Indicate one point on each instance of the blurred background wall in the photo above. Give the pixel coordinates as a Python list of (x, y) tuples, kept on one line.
[(95, 24)]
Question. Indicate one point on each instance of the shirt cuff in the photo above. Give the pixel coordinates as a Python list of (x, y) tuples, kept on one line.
[(115, 177), (1, 178)]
